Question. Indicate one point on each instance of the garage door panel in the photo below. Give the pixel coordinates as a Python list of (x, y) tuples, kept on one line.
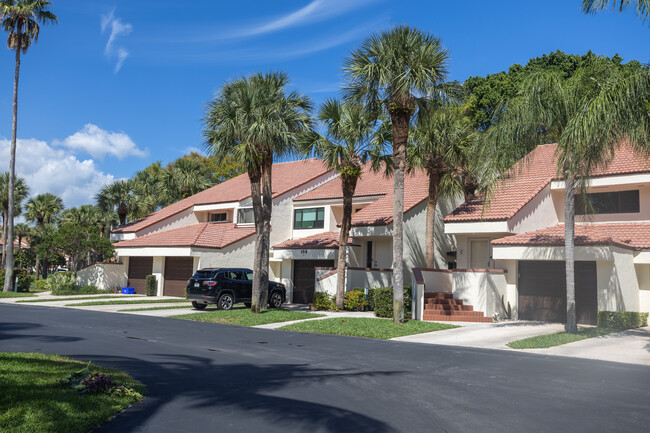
[(303, 279), (139, 268), (177, 271)]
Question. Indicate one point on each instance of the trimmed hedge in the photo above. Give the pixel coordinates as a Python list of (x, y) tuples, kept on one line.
[(622, 319), (151, 286), (383, 300), (24, 279), (323, 301), (355, 300), (40, 285)]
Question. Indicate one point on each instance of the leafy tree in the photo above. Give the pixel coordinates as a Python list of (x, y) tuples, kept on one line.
[(399, 69), (21, 191), (253, 119), (353, 137), (43, 209), (78, 241), (443, 144), (118, 197), (20, 18), (641, 7)]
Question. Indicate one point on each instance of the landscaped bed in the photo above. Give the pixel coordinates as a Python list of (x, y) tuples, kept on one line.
[(367, 327), (36, 397), (15, 294), (127, 302), (78, 298), (559, 338), (244, 317)]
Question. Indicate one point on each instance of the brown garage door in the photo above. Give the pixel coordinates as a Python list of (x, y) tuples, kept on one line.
[(177, 271), (303, 279), (139, 268), (542, 291)]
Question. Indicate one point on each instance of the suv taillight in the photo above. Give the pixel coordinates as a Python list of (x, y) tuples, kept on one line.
[(210, 283)]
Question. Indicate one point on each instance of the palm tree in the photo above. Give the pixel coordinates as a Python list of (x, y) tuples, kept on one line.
[(118, 197), (186, 177), (22, 231), (42, 210), (642, 6), (442, 145), (20, 18), (354, 136), (589, 115), (400, 69), (21, 191), (254, 119)]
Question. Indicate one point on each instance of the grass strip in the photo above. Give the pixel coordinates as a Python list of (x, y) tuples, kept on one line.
[(168, 307), (559, 338), (15, 294), (78, 298), (244, 317), (126, 302), (366, 327), (34, 400)]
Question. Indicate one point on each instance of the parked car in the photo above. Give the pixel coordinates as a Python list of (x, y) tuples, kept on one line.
[(227, 287)]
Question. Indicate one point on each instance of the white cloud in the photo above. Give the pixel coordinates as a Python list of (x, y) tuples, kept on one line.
[(98, 143), (117, 29), (57, 171)]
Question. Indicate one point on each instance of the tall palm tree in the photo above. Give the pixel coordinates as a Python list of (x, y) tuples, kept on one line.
[(400, 69), (186, 177), (642, 7), (443, 142), (353, 136), (118, 197), (589, 115), (254, 119), (20, 18), (21, 191), (22, 231), (43, 209)]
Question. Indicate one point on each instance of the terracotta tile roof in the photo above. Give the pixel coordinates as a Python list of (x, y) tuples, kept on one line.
[(628, 235), (207, 235), (286, 176), (370, 184), (380, 212), (529, 176), (325, 240)]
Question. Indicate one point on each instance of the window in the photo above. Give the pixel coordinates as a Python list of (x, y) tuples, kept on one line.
[(218, 217), (608, 202), (309, 218), (245, 216)]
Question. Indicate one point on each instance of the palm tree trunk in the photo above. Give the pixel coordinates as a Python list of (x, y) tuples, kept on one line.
[(4, 237), (349, 184), (400, 136), (432, 201), (9, 258), (569, 231), (256, 197), (38, 267), (267, 208)]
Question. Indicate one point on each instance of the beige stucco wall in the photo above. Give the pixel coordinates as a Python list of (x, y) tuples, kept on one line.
[(181, 219)]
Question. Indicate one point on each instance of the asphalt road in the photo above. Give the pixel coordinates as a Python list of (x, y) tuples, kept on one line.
[(215, 378)]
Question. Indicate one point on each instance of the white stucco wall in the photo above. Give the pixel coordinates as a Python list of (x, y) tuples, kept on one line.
[(482, 290), (181, 219), (328, 284), (537, 214), (240, 254), (643, 277), (437, 280), (106, 276)]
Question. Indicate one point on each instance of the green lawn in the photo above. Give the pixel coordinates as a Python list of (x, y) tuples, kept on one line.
[(366, 327), (127, 302), (78, 298), (558, 338), (15, 294), (34, 400), (244, 317), (167, 307)]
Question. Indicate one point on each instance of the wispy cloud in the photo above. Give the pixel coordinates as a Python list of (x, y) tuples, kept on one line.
[(117, 28)]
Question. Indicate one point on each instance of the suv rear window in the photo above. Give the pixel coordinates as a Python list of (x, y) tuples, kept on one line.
[(204, 274)]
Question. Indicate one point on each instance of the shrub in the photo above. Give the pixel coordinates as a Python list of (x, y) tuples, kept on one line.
[(151, 286), (370, 300), (61, 282), (323, 301), (40, 285), (355, 300), (383, 300), (622, 319), (24, 279)]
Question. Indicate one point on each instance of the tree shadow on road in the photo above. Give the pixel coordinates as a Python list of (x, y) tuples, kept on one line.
[(9, 331)]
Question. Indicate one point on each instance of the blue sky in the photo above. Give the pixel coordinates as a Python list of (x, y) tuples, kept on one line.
[(119, 84)]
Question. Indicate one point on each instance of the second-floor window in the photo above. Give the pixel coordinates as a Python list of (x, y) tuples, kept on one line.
[(313, 218), (608, 202), (218, 217), (245, 215)]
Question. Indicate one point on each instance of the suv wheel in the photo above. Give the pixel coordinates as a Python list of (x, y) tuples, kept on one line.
[(198, 306), (226, 301), (275, 300)]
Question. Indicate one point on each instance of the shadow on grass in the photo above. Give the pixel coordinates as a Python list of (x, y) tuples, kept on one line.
[(238, 387)]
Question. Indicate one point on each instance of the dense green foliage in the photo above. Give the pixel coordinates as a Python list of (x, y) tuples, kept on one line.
[(323, 301), (366, 327), (24, 279), (622, 319), (151, 285), (355, 300), (383, 299)]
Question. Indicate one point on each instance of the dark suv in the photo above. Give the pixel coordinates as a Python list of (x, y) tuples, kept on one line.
[(227, 287)]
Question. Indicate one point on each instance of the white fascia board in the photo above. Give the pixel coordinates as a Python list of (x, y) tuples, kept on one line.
[(476, 227), (216, 206), (116, 237), (642, 257), (516, 252), (334, 201), (154, 252), (623, 179), (306, 254)]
